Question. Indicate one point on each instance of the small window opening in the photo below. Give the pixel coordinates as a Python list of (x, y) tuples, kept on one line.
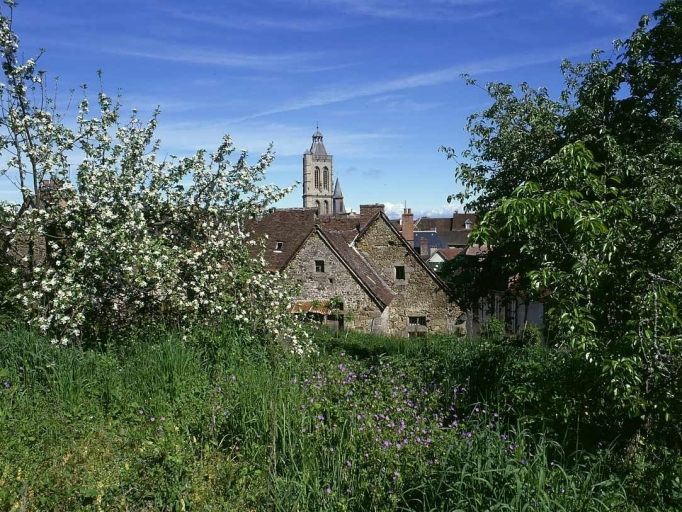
[(416, 326), (279, 245), (400, 272), (319, 265)]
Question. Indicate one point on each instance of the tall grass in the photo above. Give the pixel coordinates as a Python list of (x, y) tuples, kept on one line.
[(217, 422)]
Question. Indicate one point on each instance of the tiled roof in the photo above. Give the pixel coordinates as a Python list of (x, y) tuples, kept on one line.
[(477, 250), (348, 225), (290, 226), (442, 224), (450, 252)]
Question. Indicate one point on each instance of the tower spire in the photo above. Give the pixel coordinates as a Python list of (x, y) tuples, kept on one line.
[(318, 176)]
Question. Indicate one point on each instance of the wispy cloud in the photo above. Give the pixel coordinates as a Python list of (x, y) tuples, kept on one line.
[(598, 11), (257, 21), (286, 62), (289, 140), (419, 10), (332, 95)]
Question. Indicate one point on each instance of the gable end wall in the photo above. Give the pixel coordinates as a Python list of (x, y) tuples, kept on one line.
[(360, 311), (418, 295)]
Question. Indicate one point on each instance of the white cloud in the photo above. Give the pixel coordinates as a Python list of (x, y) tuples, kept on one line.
[(257, 21), (418, 10), (332, 95), (284, 62), (288, 140), (395, 210)]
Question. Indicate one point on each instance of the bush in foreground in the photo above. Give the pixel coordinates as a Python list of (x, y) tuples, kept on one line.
[(132, 238)]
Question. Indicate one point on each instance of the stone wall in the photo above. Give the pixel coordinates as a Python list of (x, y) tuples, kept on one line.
[(311, 194), (360, 311), (418, 294)]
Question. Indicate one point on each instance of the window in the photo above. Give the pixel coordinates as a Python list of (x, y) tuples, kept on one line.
[(317, 177), (319, 265), (416, 326), (468, 224), (279, 245), (326, 207), (400, 272), (326, 178), (317, 206)]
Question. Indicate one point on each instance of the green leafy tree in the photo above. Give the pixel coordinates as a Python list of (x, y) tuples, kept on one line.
[(581, 196)]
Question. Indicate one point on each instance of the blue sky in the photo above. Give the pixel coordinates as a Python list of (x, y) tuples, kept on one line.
[(382, 77)]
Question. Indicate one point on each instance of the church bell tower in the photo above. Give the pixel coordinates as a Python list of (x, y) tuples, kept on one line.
[(318, 177)]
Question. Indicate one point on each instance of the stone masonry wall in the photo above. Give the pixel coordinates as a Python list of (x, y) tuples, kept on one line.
[(360, 311), (418, 293)]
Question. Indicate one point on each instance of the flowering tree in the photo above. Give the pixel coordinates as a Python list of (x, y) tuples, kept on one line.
[(108, 235)]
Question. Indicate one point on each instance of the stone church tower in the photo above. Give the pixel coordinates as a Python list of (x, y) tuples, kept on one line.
[(318, 178)]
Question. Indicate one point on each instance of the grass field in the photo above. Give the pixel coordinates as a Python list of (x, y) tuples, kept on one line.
[(218, 422)]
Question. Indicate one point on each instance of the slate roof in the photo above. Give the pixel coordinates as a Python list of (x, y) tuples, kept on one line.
[(455, 238), (317, 148), (337, 190), (431, 237)]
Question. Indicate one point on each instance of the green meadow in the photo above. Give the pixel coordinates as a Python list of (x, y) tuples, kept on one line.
[(219, 421)]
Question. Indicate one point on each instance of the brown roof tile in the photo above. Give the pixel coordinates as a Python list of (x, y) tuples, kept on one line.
[(290, 226), (450, 252)]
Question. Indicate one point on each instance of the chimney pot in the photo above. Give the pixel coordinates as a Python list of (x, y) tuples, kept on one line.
[(407, 226)]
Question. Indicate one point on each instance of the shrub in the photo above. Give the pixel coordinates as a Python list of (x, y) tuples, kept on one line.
[(133, 238)]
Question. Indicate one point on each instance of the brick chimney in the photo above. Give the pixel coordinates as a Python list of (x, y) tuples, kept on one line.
[(407, 225), (424, 248), (371, 209)]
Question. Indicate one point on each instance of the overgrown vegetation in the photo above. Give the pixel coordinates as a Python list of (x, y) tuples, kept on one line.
[(581, 199), (110, 235), (581, 204), (214, 423)]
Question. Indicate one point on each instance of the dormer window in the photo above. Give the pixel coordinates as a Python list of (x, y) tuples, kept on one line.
[(468, 224), (279, 246)]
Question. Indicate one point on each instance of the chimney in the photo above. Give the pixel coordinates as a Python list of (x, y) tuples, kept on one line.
[(407, 225), (424, 248), (371, 209)]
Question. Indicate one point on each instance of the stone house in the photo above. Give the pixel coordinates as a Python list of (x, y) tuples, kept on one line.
[(441, 239), (353, 270), (356, 271)]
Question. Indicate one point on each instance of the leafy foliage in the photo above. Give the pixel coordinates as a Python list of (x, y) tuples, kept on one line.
[(131, 238), (582, 198)]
